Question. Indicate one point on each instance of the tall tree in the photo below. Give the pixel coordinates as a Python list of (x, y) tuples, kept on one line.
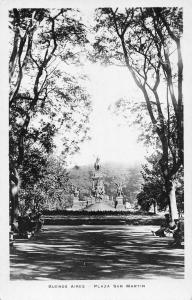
[(145, 40), (41, 40), (43, 98), (153, 187)]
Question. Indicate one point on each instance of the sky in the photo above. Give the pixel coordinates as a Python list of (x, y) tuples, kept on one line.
[(109, 140)]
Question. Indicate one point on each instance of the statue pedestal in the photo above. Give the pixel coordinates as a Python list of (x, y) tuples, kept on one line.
[(98, 200), (76, 204), (90, 201), (120, 205), (128, 205)]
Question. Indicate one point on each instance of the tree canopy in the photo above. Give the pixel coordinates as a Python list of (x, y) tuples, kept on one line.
[(44, 99), (153, 191), (148, 42)]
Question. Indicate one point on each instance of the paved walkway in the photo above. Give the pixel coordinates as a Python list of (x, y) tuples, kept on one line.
[(95, 252)]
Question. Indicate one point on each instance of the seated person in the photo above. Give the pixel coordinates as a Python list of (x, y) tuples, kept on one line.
[(178, 234), (25, 225), (161, 232), (172, 227)]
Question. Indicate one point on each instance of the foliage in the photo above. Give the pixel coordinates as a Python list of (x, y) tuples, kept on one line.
[(92, 213), (80, 177), (44, 100), (148, 42), (44, 186), (31, 200), (153, 187), (55, 184), (134, 113), (129, 177), (33, 167), (103, 218), (112, 174)]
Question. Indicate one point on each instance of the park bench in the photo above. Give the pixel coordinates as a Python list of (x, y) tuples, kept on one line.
[(27, 227), (178, 235)]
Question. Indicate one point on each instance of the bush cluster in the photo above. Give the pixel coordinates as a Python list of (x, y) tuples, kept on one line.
[(89, 213)]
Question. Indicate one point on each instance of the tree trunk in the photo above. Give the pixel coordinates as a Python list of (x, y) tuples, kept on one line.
[(155, 207), (14, 201), (173, 205)]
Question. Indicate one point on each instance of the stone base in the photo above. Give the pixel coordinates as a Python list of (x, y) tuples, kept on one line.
[(128, 205), (76, 208), (98, 200), (90, 201), (83, 204), (120, 205), (76, 204), (101, 206)]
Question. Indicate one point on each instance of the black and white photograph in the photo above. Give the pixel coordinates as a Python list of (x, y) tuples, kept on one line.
[(95, 156)]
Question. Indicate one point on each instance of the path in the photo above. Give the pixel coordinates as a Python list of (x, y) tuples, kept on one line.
[(95, 252)]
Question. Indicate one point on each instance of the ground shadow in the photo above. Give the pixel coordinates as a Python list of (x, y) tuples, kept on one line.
[(95, 252)]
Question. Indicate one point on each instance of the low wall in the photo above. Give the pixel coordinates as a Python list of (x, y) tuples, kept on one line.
[(102, 219)]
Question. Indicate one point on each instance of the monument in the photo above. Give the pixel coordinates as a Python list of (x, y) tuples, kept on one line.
[(98, 189), (119, 197), (99, 201), (128, 205), (76, 202)]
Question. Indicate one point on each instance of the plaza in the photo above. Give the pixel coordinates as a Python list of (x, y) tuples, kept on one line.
[(91, 252)]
